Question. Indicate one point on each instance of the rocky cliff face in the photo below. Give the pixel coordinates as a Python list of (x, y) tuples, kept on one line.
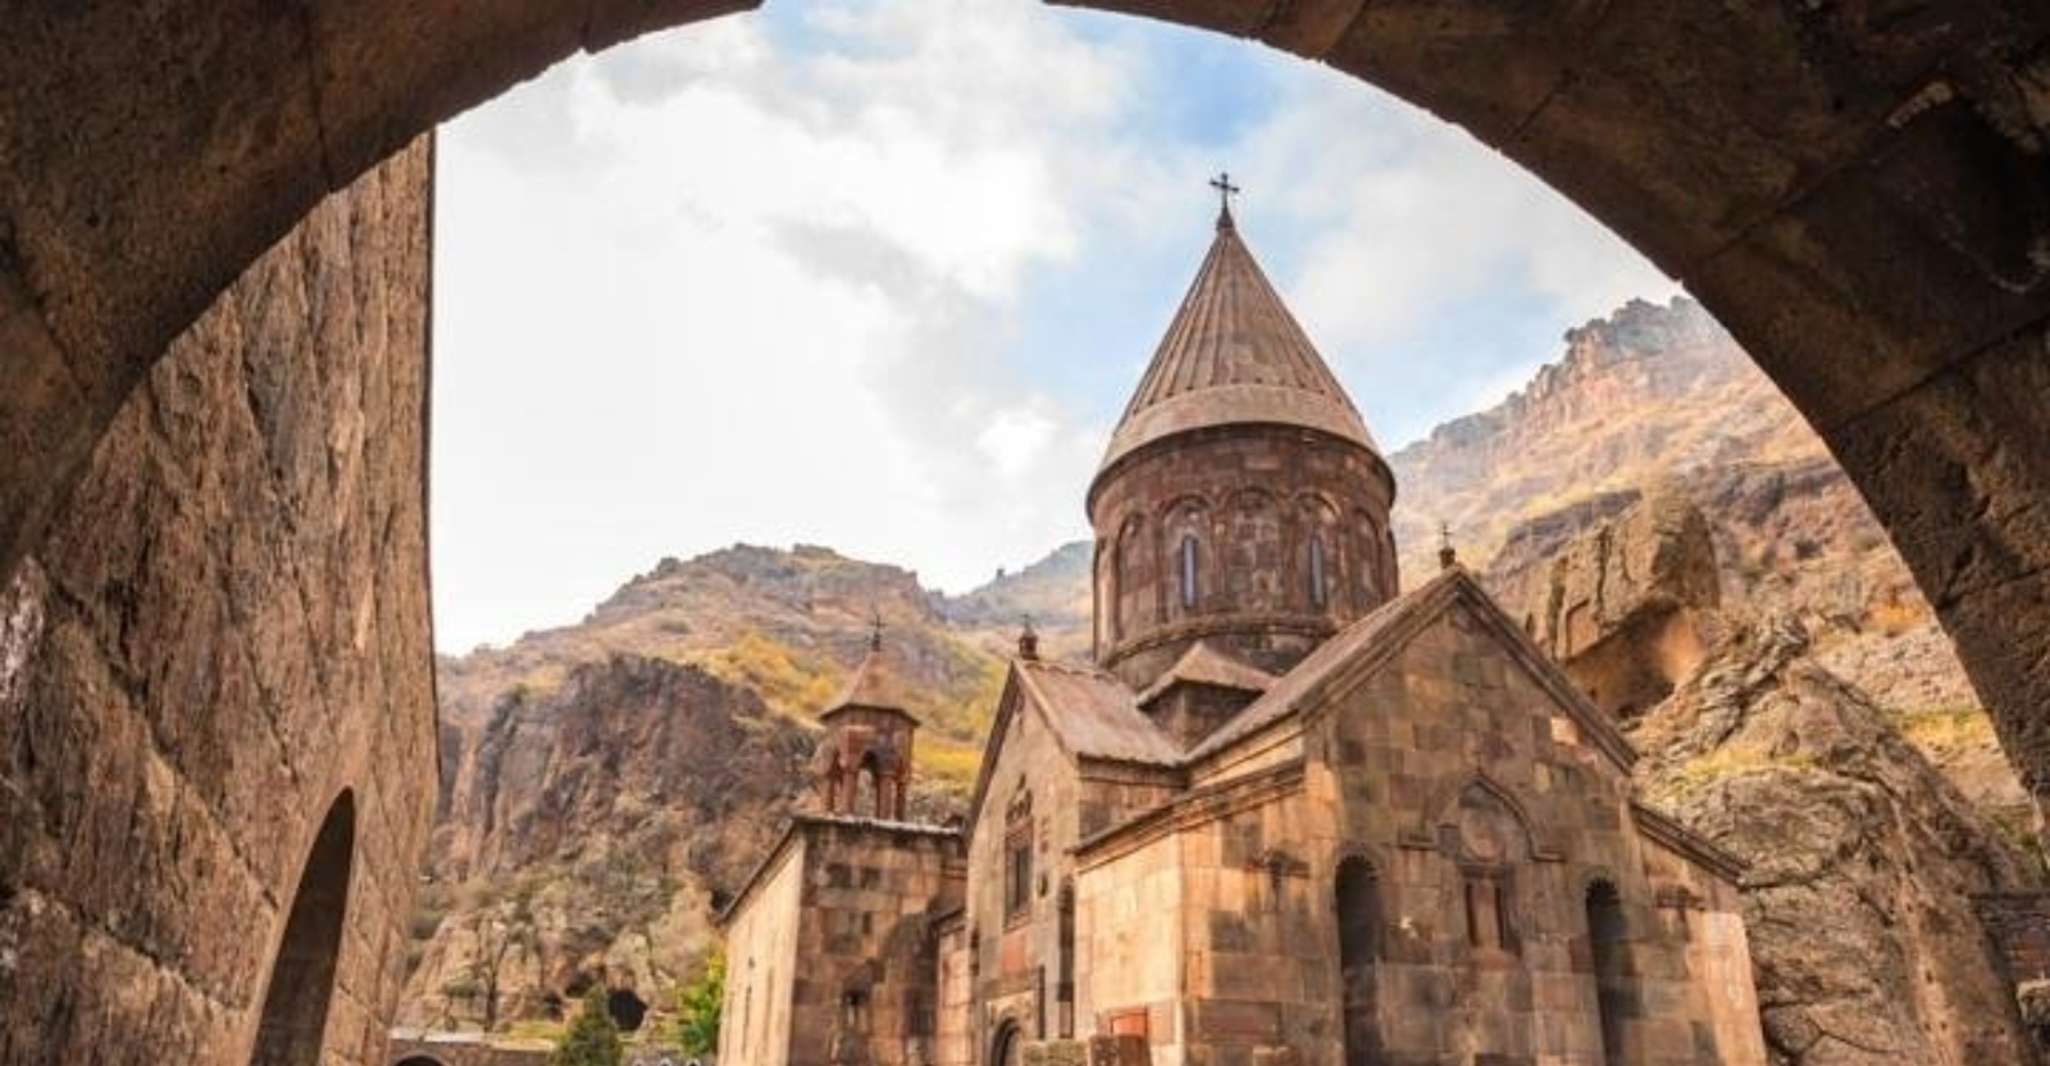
[(1661, 400), (1864, 859), (594, 828)]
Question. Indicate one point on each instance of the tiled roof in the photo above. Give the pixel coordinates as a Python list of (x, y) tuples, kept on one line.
[(1234, 355), (1205, 665), (1095, 715)]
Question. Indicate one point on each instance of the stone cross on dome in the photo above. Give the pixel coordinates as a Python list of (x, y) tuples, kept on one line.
[(1225, 191), (1447, 557)]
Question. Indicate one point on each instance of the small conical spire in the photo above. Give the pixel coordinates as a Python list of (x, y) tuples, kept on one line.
[(1447, 557), (1225, 189), (1028, 641), (875, 629)]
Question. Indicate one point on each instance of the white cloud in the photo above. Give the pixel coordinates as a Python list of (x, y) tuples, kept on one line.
[(775, 282)]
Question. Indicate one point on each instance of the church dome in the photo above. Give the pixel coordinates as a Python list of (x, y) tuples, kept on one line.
[(1234, 355), (1241, 502)]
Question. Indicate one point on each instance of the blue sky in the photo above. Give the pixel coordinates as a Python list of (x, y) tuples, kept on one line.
[(880, 274)]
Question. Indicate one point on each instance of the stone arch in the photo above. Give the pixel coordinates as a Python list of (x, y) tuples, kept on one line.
[(1451, 819), (1006, 1046), (1863, 218), (1807, 206), (419, 1060), (293, 1024)]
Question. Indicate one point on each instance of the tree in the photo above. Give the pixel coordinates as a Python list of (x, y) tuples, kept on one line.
[(698, 1004), (593, 1038)]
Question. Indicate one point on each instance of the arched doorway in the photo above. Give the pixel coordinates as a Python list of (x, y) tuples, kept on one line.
[(1005, 1050), (302, 980), (419, 1060), (1358, 900), (1607, 937)]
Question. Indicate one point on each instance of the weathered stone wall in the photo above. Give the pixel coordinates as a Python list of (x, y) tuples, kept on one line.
[(761, 961), (1483, 815), (1223, 486), (833, 956), (866, 988), (222, 639), (1034, 790)]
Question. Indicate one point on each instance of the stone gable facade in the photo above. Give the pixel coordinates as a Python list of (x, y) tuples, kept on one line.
[(1288, 818)]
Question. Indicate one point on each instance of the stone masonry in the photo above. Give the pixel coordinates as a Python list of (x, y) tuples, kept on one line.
[(216, 698)]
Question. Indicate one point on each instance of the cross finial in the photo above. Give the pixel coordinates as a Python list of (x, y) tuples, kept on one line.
[(875, 629), (1225, 191), (1447, 558)]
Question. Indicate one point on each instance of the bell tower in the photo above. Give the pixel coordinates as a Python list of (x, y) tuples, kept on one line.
[(862, 766), (1242, 502)]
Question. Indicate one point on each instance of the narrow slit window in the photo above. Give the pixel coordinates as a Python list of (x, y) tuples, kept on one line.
[(1318, 592), (1187, 570)]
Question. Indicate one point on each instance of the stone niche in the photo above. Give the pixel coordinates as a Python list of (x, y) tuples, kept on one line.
[(217, 738)]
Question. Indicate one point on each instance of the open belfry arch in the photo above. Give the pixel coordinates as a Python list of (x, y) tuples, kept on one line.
[(1285, 823), (215, 216)]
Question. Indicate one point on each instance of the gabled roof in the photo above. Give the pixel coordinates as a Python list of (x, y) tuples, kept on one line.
[(1091, 714), (1205, 665), (1234, 355), (1366, 644), (1095, 715)]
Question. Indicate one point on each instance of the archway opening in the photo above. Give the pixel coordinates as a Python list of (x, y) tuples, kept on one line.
[(419, 1060), (302, 978), (1005, 1050), (626, 1008), (1607, 935), (1358, 900)]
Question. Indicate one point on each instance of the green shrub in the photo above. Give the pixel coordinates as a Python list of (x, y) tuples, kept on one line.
[(592, 1038)]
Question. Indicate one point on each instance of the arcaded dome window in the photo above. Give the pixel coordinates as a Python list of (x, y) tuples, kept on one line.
[(1319, 592), (1188, 568)]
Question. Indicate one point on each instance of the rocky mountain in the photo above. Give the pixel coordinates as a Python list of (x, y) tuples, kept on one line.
[(589, 834), (1649, 502)]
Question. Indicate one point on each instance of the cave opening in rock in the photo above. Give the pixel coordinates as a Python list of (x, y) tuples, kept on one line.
[(302, 979), (626, 1008)]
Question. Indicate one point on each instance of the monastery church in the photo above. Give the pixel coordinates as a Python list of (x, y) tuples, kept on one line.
[(1289, 816)]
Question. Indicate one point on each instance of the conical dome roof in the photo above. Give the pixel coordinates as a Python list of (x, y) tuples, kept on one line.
[(1234, 355), (874, 685)]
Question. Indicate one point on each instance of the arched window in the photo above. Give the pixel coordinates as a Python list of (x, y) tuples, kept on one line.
[(302, 979), (1005, 1048), (1607, 937), (1319, 590), (1359, 950), (1187, 567)]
